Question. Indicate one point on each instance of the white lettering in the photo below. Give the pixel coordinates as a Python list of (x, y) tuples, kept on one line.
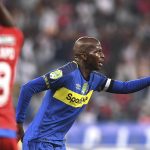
[(7, 40), (7, 53)]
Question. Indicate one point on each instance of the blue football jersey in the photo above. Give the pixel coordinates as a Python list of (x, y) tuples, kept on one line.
[(67, 95)]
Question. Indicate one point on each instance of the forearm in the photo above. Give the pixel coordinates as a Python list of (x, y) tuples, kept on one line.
[(5, 17), (23, 102), (26, 93), (120, 87)]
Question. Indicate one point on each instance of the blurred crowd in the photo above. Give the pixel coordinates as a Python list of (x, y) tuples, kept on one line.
[(123, 27)]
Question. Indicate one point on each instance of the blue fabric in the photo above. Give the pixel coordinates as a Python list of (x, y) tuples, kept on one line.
[(27, 90), (57, 113), (55, 117), (120, 87), (40, 145)]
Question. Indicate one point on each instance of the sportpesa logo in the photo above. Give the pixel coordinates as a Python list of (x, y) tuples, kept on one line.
[(76, 100), (72, 98)]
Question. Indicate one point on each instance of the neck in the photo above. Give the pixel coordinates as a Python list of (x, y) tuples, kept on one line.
[(84, 70)]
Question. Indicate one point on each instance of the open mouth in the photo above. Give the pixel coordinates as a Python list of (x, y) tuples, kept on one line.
[(100, 64), (101, 60)]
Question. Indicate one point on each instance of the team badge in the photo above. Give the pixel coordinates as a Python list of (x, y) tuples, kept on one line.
[(78, 86), (56, 74), (85, 88)]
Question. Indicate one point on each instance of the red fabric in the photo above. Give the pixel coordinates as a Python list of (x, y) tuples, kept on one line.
[(11, 40), (8, 144)]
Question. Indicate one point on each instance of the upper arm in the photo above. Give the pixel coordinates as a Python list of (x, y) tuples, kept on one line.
[(54, 79), (101, 83), (59, 77), (35, 86)]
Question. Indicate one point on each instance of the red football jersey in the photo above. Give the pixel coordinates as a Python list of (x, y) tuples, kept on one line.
[(11, 41)]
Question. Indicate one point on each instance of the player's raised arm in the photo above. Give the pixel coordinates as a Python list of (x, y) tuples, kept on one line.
[(5, 17)]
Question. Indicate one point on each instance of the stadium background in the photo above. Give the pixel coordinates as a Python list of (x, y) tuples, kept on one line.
[(123, 26)]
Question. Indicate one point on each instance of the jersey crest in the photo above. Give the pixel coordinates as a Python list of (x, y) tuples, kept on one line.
[(85, 88)]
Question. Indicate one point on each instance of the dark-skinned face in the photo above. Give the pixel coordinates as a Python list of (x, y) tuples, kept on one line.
[(88, 50), (94, 56)]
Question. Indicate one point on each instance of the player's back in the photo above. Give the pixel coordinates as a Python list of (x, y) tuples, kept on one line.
[(11, 40)]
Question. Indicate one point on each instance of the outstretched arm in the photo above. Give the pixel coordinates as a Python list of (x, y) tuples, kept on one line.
[(121, 87), (5, 17)]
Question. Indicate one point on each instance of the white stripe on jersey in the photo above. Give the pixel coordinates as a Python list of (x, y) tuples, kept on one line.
[(107, 84)]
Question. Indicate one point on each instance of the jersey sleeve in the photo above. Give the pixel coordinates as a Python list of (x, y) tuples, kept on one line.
[(55, 79), (101, 82), (126, 87), (27, 90)]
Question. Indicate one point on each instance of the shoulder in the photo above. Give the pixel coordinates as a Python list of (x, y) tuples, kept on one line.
[(68, 68), (62, 71), (13, 32), (13, 29), (18, 33), (98, 74)]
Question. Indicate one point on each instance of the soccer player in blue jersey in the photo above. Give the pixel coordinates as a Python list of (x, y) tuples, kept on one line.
[(69, 89)]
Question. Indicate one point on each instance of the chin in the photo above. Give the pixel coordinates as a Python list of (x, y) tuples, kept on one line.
[(100, 67), (97, 68)]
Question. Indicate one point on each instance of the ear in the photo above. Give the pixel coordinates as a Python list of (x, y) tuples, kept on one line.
[(83, 56)]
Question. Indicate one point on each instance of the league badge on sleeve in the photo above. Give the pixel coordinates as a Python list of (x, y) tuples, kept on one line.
[(56, 74)]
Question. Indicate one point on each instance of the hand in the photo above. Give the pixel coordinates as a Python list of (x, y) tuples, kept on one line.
[(20, 132)]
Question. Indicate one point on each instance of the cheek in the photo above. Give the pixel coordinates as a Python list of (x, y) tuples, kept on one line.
[(92, 60), (95, 58)]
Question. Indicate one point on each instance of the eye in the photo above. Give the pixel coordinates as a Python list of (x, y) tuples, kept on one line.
[(99, 52)]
